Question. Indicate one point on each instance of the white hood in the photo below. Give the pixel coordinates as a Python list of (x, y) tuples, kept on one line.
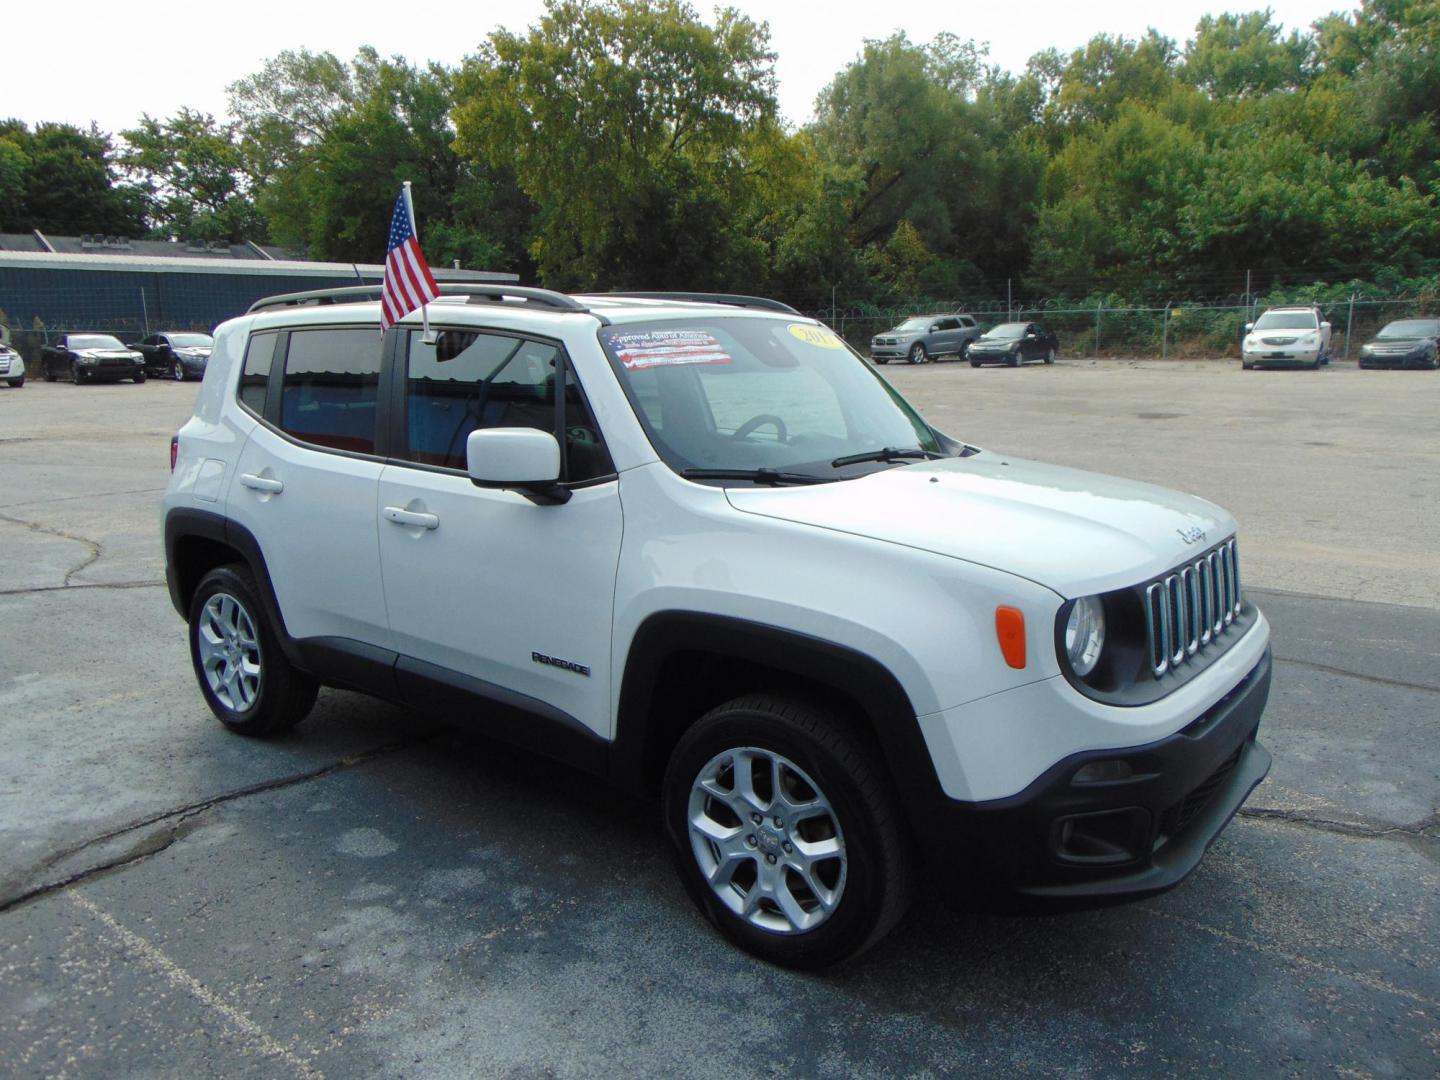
[(1075, 532)]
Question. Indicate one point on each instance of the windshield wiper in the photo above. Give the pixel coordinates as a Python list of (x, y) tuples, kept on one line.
[(887, 453), (759, 476)]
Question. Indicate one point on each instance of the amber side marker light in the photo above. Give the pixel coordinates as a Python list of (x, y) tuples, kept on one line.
[(1010, 629)]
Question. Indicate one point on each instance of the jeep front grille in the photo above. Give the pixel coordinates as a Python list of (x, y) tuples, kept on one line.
[(1188, 610)]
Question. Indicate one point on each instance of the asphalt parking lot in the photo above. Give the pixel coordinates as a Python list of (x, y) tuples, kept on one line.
[(376, 895)]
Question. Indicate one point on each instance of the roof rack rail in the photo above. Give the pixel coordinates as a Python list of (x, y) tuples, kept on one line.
[(733, 299), (477, 293)]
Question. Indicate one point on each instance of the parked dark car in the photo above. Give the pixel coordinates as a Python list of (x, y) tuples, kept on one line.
[(87, 357), (177, 355), (12, 366), (925, 337), (1404, 343), (1013, 343)]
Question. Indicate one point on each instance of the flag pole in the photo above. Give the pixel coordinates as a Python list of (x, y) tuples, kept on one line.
[(425, 336)]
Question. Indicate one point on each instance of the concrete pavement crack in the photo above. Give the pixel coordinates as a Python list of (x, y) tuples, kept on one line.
[(94, 545), (1426, 828), (1379, 679), (176, 820), (85, 585), (75, 498)]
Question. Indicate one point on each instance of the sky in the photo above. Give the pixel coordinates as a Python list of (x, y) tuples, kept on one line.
[(111, 62)]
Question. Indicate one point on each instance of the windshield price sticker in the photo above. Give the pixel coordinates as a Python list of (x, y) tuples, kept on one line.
[(668, 348), (816, 335)]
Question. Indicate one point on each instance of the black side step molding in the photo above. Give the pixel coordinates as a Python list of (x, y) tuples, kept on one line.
[(500, 713)]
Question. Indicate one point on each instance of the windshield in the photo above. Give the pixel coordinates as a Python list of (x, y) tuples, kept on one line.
[(917, 323), (192, 341), (94, 341), (744, 393), (1007, 330), (1287, 320), (1410, 328)]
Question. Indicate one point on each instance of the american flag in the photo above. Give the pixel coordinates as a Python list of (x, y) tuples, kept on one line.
[(408, 282)]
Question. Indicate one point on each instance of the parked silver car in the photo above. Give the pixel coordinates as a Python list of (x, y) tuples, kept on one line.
[(925, 337)]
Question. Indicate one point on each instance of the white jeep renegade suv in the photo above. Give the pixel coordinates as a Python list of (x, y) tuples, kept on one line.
[(697, 545)]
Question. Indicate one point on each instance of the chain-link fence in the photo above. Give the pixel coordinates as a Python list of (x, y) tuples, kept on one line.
[(1180, 329)]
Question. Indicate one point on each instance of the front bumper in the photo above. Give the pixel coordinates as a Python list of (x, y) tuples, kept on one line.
[(1417, 359), (889, 352), (1099, 842), (1280, 356)]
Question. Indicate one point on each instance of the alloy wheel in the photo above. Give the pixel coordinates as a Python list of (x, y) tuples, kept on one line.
[(229, 652), (767, 840)]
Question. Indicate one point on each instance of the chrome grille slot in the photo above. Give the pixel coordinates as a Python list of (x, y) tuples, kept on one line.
[(1203, 573), (1188, 611), (1175, 601), (1192, 610), (1157, 624)]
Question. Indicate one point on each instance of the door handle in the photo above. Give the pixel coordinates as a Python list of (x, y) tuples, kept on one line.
[(262, 483), (400, 516)]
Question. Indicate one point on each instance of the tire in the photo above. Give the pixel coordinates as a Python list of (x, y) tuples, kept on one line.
[(47, 371), (77, 375), (1013, 359), (1434, 360), (974, 363), (228, 623), (178, 372), (1050, 356), (17, 383), (824, 759), (1246, 366), (917, 353), (882, 359)]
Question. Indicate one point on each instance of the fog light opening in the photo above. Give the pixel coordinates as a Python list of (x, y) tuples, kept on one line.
[(1103, 772)]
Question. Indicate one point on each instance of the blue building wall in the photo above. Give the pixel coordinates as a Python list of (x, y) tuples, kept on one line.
[(132, 303)]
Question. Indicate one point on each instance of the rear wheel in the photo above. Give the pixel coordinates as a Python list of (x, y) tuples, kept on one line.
[(787, 832), (243, 675)]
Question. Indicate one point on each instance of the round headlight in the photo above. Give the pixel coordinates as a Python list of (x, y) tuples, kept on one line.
[(1085, 635)]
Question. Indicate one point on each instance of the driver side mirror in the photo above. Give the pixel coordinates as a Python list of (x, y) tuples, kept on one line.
[(934, 327), (1324, 326), (1249, 326), (526, 459)]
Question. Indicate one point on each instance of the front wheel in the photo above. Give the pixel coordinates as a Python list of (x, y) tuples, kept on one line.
[(1050, 356), (1013, 360), (787, 832), (138, 379), (178, 372), (18, 383), (244, 677), (47, 371), (77, 375), (974, 363), (917, 353)]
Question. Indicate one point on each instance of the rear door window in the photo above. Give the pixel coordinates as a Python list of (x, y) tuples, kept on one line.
[(331, 387), (255, 377)]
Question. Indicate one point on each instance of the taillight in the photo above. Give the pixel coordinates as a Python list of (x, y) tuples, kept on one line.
[(174, 450)]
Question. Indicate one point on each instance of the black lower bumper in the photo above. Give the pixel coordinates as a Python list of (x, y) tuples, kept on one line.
[(1136, 825)]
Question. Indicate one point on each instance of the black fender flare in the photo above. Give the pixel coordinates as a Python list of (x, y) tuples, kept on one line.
[(184, 523), (862, 679)]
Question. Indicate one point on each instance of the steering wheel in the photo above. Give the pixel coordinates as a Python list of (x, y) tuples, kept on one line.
[(760, 421)]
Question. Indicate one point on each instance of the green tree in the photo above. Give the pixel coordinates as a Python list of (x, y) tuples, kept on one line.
[(624, 122), (1235, 56), (193, 171), (62, 179)]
